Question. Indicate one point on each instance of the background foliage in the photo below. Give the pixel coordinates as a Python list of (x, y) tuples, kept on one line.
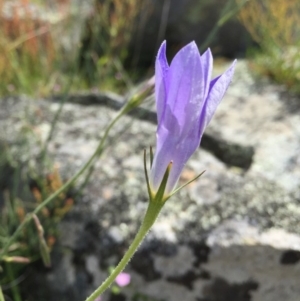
[(274, 25)]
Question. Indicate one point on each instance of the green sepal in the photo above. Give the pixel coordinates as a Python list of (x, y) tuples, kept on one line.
[(146, 176), (187, 183), (159, 196), (151, 156)]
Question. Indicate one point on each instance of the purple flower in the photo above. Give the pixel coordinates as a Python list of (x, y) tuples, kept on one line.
[(123, 279), (186, 99)]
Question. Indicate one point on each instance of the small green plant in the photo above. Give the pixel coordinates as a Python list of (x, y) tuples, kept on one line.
[(34, 61), (273, 25), (105, 42), (21, 195), (27, 49)]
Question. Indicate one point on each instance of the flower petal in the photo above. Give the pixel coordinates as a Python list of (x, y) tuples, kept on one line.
[(207, 64), (166, 144), (186, 87), (184, 151), (178, 130), (161, 71), (218, 87), (172, 147)]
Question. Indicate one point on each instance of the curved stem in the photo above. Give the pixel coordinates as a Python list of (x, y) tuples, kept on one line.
[(150, 217), (70, 182), (1, 295)]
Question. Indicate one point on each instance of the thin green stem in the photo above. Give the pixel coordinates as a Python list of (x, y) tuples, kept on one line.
[(1, 295), (14, 289), (70, 182), (55, 120), (152, 212)]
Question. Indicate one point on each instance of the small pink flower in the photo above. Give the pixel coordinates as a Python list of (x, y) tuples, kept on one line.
[(123, 279)]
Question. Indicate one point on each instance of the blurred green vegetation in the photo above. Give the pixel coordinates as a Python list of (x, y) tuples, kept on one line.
[(33, 58), (28, 52), (34, 61), (22, 191), (107, 34), (274, 25)]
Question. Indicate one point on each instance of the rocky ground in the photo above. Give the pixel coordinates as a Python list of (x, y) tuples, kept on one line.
[(232, 235)]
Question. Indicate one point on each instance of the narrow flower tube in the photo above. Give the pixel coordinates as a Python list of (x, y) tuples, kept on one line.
[(186, 99)]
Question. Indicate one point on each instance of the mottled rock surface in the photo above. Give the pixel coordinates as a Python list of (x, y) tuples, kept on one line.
[(232, 235)]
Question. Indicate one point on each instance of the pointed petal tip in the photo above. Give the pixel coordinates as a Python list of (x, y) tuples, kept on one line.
[(161, 54), (208, 50), (162, 47), (207, 55), (192, 46), (228, 72), (188, 50), (233, 64), (230, 69)]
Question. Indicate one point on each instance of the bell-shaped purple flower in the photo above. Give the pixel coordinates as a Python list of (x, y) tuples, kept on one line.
[(186, 99)]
